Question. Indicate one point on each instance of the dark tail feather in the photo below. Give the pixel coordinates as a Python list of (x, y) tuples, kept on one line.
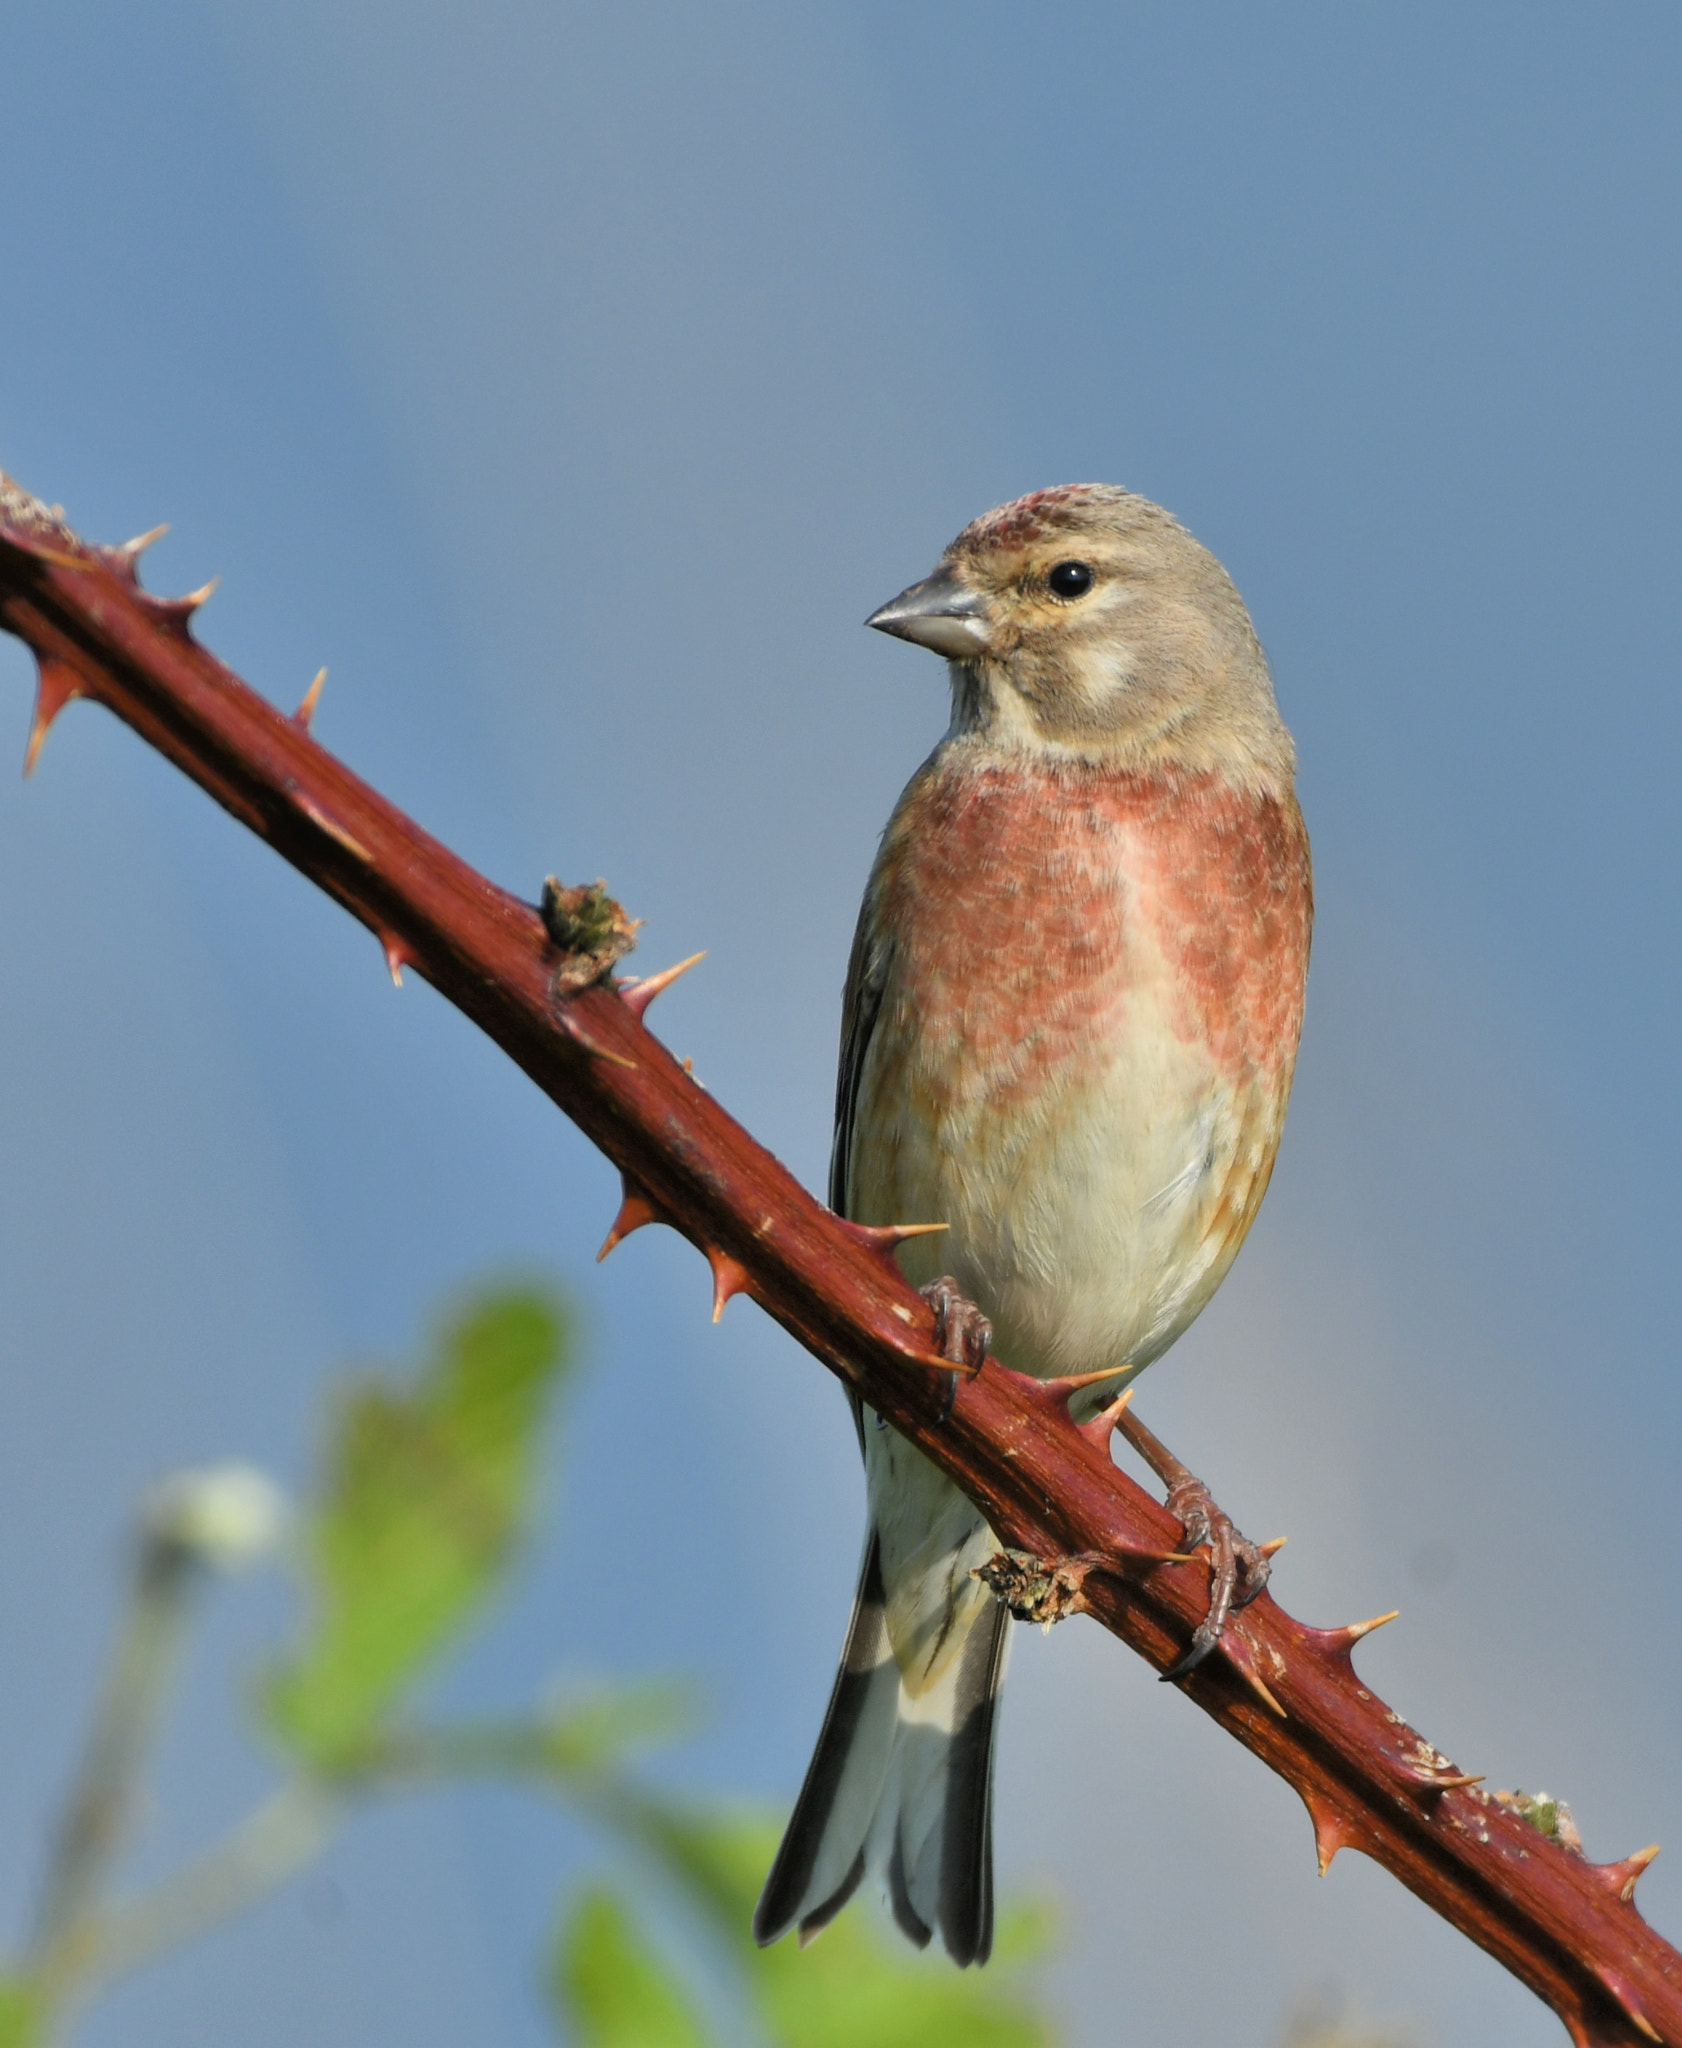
[(906, 1786), (814, 1876), (945, 1870)]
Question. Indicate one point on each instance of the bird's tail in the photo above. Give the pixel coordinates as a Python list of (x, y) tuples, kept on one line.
[(901, 1782)]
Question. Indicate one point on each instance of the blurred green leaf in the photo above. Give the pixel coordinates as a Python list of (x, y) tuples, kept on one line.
[(427, 1491), (611, 1989), (856, 1983), (20, 2012), (588, 1732), (574, 1744)]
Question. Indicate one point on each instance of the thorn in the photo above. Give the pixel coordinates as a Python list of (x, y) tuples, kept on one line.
[(1344, 1639), (1439, 1781), (1273, 1549), (577, 1033), (637, 995), (135, 548), (1066, 1385), (730, 1277), (1622, 1993), (1102, 1426), (882, 1237), (397, 957), (56, 683), (1253, 1680), (334, 830), (312, 697), (178, 611), (932, 1361), (634, 1211), (1331, 1832), (1357, 1629), (1238, 1652), (1621, 1877)]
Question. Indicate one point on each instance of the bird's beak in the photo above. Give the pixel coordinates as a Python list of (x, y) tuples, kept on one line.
[(942, 612)]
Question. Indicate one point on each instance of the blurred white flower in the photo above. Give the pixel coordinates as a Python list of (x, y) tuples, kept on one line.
[(228, 1516)]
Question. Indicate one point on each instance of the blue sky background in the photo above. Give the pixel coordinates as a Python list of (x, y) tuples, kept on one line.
[(571, 382)]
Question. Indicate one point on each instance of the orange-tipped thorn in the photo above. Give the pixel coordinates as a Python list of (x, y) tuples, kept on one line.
[(56, 683), (1356, 1629), (397, 957), (882, 1237), (1441, 1781), (1237, 1651), (1621, 1877), (178, 611), (1331, 1832), (1102, 1426), (331, 826), (1278, 1543), (635, 1210), (576, 1032), (312, 697), (637, 995), (1069, 1383), (934, 1361), (730, 1277), (1253, 1680), (134, 549)]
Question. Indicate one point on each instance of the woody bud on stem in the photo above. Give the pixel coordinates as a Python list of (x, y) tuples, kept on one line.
[(590, 928)]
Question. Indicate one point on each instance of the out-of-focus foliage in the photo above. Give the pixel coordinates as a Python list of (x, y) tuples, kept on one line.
[(18, 2010), (426, 1497), (427, 1492), (612, 1987), (584, 1734), (858, 1983)]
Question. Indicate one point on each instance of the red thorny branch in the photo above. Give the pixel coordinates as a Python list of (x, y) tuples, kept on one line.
[(1567, 1927)]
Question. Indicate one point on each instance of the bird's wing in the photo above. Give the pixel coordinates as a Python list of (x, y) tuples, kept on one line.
[(867, 974)]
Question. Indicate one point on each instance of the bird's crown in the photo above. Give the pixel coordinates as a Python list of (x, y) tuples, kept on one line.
[(1085, 619)]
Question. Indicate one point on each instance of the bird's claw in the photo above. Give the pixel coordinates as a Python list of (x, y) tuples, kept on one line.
[(962, 1334), (1238, 1568)]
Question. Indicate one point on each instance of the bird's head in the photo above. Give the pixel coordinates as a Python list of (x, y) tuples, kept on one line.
[(1086, 622)]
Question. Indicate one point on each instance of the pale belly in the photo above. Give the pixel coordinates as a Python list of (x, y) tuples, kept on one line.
[(1091, 1216)]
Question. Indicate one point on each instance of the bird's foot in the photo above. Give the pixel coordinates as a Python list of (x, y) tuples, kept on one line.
[(1238, 1568), (962, 1334)]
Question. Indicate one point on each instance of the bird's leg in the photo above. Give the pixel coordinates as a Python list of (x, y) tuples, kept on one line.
[(1238, 1568), (961, 1332)]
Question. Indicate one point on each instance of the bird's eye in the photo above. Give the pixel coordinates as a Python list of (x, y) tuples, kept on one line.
[(1070, 579)]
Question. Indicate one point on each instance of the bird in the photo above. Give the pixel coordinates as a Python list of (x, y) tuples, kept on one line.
[(1070, 1026)]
